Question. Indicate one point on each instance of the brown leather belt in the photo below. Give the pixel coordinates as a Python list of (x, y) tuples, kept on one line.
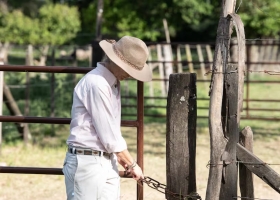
[(90, 152)]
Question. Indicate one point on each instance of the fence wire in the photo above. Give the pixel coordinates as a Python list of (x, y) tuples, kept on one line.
[(251, 71), (241, 162)]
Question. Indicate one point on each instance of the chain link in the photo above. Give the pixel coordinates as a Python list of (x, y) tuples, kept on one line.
[(152, 183)]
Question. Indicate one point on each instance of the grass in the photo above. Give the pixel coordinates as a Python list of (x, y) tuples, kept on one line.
[(43, 187)]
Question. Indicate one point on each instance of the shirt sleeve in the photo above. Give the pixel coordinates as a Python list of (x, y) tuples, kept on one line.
[(107, 126)]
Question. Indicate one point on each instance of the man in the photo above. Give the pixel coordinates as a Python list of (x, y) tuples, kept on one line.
[(95, 143)]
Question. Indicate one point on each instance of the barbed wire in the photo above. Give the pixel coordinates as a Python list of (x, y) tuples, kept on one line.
[(238, 197), (257, 39), (265, 71), (251, 71), (152, 183), (241, 162)]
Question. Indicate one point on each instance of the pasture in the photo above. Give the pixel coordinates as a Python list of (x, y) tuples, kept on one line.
[(48, 148), (43, 187)]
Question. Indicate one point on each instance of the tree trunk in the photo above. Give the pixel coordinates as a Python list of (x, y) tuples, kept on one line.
[(4, 48), (14, 109)]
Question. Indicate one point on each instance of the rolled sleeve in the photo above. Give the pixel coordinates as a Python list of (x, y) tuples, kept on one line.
[(107, 125)]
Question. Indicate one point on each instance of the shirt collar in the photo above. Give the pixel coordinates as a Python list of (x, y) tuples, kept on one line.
[(109, 76)]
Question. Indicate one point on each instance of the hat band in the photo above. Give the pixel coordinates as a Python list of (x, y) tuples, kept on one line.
[(123, 59), (121, 56)]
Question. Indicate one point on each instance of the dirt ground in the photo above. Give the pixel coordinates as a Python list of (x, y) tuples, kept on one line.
[(155, 164), (45, 187)]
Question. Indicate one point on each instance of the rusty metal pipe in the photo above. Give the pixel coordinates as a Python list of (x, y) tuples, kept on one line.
[(42, 170), (47, 69), (140, 134), (48, 120)]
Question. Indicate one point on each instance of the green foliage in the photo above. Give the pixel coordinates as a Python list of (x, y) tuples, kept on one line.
[(18, 28), (261, 18), (58, 23), (54, 25), (188, 20), (144, 20)]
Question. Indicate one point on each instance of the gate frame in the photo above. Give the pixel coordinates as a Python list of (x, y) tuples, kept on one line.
[(138, 123)]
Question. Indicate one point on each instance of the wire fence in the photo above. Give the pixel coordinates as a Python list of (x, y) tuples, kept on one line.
[(264, 106)]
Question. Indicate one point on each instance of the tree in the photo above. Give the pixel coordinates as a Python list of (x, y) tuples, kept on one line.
[(261, 18), (15, 28), (144, 19), (55, 24)]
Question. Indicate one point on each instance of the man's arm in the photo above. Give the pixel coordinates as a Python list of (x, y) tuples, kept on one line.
[(126, 160)]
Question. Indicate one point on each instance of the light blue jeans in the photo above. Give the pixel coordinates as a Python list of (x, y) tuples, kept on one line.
[(90, 177)]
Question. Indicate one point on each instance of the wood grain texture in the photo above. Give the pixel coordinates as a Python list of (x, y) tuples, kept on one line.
[(181, 134)]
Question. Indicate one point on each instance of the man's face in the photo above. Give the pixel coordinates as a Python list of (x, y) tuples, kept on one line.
[(120, 74)]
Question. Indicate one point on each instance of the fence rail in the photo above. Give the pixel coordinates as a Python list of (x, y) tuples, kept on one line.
[(138, 123)]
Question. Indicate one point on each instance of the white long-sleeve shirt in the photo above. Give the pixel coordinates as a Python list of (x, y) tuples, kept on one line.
[(96, 112)]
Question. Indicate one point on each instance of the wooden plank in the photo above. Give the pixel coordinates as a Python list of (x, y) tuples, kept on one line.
[(181, 134), (160, 68), (245, 176), (179, 59), (201, 59), (189, 58), (209, 53), (229, 178), (168, 65), (202, 65), (258, 167), (151, 86), (239, 27)]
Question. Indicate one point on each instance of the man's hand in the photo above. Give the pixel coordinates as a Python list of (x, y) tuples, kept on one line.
[(130, 166), (136, 172)]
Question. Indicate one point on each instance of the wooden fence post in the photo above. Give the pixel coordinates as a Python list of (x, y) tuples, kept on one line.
[(229, 175), (217, 140), (245, 175), (181, 134)]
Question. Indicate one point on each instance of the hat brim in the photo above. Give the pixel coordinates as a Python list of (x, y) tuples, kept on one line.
[(144, 75)]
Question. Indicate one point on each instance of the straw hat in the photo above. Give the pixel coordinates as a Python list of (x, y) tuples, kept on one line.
[(130, 54)]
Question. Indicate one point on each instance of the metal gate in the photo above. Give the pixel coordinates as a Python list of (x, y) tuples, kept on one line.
[(138, 123)]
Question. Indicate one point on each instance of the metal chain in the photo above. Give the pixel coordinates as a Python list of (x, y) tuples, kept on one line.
[(152, 183)]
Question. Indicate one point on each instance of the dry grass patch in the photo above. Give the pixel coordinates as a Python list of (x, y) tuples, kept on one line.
[(43, 187)]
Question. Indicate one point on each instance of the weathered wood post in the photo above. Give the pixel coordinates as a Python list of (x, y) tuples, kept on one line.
[(245, 175), (229, 177), (181, 134)]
